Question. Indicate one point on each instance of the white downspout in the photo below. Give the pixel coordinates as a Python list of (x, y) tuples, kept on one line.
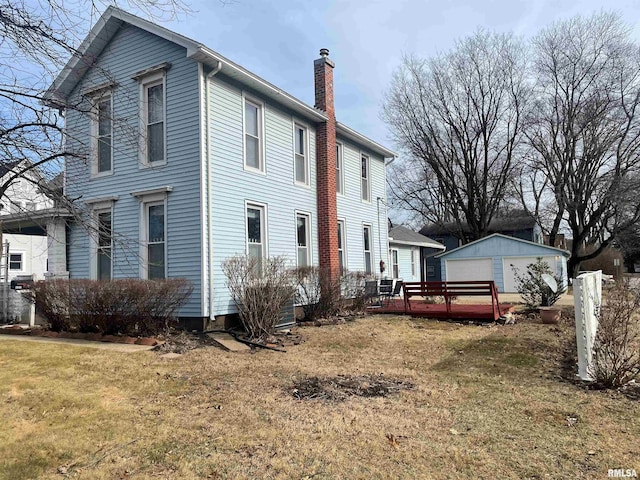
[(208, 77)]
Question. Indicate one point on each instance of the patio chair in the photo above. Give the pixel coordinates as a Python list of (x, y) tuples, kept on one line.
[(397, 288), (392, 291), (386, 287), (371, 291)]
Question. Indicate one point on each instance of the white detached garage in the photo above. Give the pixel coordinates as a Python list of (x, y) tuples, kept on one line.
[(493, 258)]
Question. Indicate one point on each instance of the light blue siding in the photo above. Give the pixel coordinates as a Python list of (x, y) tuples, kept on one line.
[(356, 213), (497, 248), (130, 51), (232, 186)]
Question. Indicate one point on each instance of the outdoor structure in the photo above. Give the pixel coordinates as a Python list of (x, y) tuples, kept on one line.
[(408, 252), (494, 258), (520, 226), (194, 159)]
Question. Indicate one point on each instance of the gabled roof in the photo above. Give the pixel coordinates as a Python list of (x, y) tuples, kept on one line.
[(403, 236), (497, 225), (506, 237), (113, 18)]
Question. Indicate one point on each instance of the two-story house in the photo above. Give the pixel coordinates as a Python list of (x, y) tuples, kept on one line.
[(192, 159)]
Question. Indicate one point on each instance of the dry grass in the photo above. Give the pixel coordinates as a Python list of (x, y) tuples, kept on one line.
[(486, 403)]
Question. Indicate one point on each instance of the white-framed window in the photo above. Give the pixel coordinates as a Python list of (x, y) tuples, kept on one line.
[(431, 271), (368, 252), (156, 239), (303, 239), (339, 170), (153, 93), (414, 261), (16, 261), (256, 218), (253, 135), (365, 180), (104, 244), (153, 232), (342, 252), (301, 161), (395, 267), (102, 134)]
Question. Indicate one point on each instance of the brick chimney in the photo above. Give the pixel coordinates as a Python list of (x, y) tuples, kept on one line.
[(326, 166)]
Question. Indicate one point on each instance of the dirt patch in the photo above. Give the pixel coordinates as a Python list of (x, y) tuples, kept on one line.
[(341, 387), (182, 342)]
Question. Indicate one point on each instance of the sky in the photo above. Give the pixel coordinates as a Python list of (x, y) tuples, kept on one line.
[(278, 40)]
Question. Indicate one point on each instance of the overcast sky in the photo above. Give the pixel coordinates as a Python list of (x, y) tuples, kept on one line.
[(279, 40)]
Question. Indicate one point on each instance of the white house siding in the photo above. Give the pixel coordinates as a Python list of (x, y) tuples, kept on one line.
[(404, 263), (232, 186), (130, 51), (355, 212), (34, 254)]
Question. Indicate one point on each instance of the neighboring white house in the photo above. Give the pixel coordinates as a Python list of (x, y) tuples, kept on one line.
[(193, 159), (27, 253)]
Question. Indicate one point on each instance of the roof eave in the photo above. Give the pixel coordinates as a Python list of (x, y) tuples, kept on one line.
[(437, 246), (351, 134)]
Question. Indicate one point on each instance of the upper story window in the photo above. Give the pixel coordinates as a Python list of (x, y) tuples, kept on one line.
[(301, 164), (253, 135), (365, 179), (339, 170), (102, 135), (303, 239), (256, 234), (154, 117)]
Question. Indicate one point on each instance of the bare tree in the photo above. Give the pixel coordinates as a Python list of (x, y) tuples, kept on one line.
[(585, 131), (458, 120), (37, 39)]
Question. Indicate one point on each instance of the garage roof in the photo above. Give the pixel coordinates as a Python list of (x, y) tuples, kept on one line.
[(556, 251), (404, 236)]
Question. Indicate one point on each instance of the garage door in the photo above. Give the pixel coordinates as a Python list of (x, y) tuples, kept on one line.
[(521, 263), (469, 269)]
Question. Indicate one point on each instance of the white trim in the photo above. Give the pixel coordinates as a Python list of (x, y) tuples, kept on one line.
[(95, 202), (391, 259), (262, 164), (340, 175), (23, 261), (368, 178), (344, 243), (146, 82), (414, 261), (99, 96), (307, 164), (158, 70), (144, 237), (263, 231), (204, 198), (309, 234), (371, 248), (143, 195)]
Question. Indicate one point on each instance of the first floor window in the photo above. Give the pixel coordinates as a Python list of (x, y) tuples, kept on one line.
[(15, 261), (256, 245), (414, 254), (303, 239), (368, 256), (156, 241), (395, 267), (431, 271), (105, 237), (341, 252)]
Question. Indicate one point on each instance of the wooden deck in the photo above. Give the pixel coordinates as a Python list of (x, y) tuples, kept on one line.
[(459, 311)]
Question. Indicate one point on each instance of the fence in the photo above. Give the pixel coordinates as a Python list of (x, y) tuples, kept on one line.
[(587, 298)]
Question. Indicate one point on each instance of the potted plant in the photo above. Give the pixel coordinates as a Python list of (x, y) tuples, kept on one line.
[(540, 288)]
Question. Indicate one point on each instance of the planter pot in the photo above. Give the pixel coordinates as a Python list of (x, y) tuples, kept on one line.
[(550, 315)]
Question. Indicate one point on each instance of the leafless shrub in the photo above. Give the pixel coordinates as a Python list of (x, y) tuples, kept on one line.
[(318, 292), (353, 291), (616, 353), (260, 291), (127, 306)]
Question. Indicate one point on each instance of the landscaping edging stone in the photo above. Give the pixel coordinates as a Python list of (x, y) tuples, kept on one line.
[(96, 337)]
